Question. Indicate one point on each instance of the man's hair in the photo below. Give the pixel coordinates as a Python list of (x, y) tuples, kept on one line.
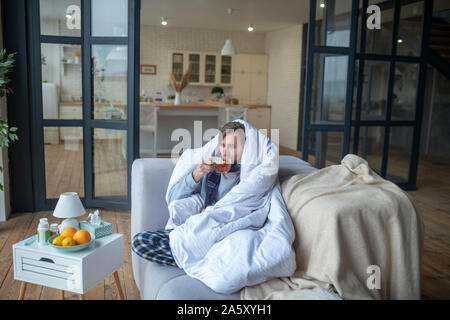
[(232, 127)]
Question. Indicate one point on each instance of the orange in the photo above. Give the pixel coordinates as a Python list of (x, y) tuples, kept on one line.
[(68, 232), (82, 237)]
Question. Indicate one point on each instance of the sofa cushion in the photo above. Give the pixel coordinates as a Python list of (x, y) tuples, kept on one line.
[(172, 283), (290, 166), (187, 288), (155, 276)]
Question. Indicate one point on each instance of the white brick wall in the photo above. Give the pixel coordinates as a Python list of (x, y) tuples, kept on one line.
[(284, 48), (157, 41)]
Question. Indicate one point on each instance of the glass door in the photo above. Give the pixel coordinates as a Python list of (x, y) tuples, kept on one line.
[(86, 106), (329, 81), (379, 115), (391, 69)]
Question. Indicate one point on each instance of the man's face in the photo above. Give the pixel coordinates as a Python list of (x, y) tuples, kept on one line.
[(232, 147)]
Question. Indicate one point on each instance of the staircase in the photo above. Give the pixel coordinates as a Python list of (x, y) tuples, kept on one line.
[(440, 45)]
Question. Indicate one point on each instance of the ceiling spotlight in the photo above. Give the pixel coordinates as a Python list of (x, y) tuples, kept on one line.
[(400, 41), (250, 27), (164, 21), (322, 4)]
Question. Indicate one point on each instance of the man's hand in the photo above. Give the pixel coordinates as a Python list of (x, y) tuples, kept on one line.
[(202, 169)]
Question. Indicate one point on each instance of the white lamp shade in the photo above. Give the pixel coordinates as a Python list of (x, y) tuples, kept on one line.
[(228, 49), (69, 206)]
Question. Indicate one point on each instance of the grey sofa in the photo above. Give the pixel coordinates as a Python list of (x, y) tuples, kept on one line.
[(149, 181)]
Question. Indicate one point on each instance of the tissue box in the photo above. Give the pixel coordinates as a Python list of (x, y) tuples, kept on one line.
[(104, 229)]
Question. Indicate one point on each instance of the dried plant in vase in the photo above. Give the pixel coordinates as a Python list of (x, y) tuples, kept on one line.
[(178, 87)]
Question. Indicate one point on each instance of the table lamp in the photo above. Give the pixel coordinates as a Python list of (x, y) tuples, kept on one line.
[(69, 206)]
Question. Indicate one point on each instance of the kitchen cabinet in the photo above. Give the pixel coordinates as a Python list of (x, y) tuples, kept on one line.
[(71, 112), (177, 65), (196, 60), (225, 70), (258, 63), (259, 118), (258, 88), (210, 72), (241, 88), (250, 78), (208, 68)]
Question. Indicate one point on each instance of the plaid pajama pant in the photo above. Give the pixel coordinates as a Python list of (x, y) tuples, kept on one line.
[(154, 246)]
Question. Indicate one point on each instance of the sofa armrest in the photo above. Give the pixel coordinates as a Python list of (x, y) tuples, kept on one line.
[(149, 180)]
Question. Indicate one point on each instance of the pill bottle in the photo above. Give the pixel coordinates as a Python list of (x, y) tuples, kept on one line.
[(43, 231), (54, 229)]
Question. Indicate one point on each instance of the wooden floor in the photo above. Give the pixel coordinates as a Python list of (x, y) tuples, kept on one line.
[(432, 196)]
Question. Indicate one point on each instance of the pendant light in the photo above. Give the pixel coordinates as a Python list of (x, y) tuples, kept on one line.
[(228, 49)]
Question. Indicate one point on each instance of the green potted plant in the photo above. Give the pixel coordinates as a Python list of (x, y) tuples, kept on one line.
[(6, 133), (217, 92)]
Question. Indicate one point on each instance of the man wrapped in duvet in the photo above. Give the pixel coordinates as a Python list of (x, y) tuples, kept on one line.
[(228, 226)]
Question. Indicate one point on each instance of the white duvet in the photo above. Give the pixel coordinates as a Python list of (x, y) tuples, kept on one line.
[(246, 237)]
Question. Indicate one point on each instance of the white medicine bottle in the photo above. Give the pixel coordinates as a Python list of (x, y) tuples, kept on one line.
[(43, 231)]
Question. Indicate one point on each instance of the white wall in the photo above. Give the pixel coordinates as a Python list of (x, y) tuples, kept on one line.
[(156, 41), (4, 176), (284, 49)]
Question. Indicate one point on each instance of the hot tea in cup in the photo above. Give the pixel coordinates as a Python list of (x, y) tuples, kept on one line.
[(220, 166)]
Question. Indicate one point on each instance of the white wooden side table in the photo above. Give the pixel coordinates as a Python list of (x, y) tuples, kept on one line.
[(77, 271)]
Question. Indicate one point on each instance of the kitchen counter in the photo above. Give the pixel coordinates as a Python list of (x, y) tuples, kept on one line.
[(194, 119), (201, 106), (171, 106), (191, 105)]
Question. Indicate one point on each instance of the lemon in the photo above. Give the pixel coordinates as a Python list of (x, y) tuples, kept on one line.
[(58, 241), (68, 242)]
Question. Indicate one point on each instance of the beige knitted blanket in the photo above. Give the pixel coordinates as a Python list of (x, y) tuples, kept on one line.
[(356, 234)]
